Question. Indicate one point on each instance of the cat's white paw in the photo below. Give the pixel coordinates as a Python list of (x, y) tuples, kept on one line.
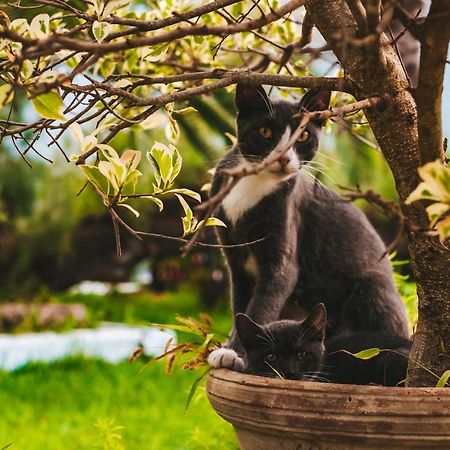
[(226, 358)]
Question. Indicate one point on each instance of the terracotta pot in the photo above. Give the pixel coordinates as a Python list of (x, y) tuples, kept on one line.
[(282, 414)]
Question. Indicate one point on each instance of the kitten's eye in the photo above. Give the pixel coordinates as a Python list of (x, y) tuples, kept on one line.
[(301, 355), (265, 132), (303, 137), (271, 357)]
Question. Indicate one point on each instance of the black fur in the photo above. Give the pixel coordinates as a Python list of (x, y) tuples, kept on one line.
[(296, 350), (317, 247)]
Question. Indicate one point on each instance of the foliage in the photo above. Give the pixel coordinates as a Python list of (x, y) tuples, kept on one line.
[(191, 355), (435, 187)]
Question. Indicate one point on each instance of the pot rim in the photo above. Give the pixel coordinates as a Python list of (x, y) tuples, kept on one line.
[(256, 381)]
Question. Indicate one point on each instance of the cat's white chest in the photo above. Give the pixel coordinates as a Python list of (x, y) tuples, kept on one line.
[(247, 193)]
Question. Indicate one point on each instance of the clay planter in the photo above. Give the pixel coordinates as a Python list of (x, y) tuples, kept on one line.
[(274, 414)]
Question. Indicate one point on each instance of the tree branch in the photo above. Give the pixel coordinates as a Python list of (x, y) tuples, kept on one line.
[(33, 48)]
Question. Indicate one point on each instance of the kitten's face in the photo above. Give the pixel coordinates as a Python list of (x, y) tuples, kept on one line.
[(264, 125), (286, 348)]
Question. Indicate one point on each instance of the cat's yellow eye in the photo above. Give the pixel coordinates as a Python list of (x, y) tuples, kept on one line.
[(301, 355), (303, 137), (265, 132), (271, 357)]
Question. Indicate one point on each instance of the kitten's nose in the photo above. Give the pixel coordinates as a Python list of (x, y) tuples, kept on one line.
[(284, 160)]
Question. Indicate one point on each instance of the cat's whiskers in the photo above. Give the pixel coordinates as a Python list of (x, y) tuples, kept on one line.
[(314, 378), (279, 373), (305, 333), (268, 331), (314, 168), (266, 338), (324, 155)]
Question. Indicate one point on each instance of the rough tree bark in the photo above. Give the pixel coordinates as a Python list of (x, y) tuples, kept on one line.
[(402, 130)]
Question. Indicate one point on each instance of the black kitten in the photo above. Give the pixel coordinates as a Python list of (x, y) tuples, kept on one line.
[(296, 350), (317, 247), (286, 348)]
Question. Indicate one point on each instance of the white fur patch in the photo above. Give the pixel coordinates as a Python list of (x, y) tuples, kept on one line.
[(226, 358), (250, 190)]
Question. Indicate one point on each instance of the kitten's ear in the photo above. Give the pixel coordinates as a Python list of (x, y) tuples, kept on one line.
[(317, 320), (252, 100), (315, 100), (247, 330)]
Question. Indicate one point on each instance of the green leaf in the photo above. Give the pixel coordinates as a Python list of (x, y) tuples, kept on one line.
[(183, 328), (40, 26), (194, 388), (161, 157), (365, 354), (93, 174), (189, 221), (177, 162), (443, 227), (214, 222), (210, 222), (185, 191), (165, 168), (183, 111), (155, 166), (107, 67), (156, 200), (49, 105), (157, 52), (107, 169), (443, 380), (100, 30), (130, 208), (6, 94)]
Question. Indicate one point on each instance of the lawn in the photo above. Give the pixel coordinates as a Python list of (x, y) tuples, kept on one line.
[(87, 404)]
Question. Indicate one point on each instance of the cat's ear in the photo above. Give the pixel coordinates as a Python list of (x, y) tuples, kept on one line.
[(247, 330), (317, 320), (252, 99), (315, 100)]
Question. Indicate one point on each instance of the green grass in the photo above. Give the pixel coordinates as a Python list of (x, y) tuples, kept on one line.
[(78, 403)]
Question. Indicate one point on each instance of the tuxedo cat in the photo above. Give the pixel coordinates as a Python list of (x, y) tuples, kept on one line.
[(297, 351), (317, 247)]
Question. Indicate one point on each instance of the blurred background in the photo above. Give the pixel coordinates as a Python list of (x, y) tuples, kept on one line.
[(62, 387)]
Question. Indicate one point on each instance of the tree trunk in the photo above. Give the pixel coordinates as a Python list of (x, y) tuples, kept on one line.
[(375, 70)]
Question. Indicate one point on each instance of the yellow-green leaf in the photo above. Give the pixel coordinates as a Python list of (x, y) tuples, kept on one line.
[(194, 388), (130, 208), (158, 202), (185, 191), (6, 94), (214, 222), (100, 30), (443, 227), (443, 380), (49, 105), (365, 354)]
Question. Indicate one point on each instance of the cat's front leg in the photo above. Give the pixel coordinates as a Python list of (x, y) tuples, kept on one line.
[(278, 273), (231, 355)]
